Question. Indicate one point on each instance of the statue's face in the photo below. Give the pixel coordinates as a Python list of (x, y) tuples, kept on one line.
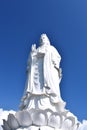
[(44, 39)]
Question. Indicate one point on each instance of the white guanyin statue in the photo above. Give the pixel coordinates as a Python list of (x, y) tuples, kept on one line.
[(42, 89), (42, 107)]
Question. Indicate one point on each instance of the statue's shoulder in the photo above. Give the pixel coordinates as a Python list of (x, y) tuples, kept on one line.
[(53, 49)]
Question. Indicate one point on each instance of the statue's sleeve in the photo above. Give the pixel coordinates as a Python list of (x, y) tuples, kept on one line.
[(56, 58), (31, 55), (28, 63)]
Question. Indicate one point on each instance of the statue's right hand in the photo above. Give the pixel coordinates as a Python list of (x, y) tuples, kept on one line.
[(33, 48)]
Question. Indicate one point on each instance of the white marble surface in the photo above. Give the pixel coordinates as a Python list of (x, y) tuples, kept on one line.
[(43, 77), (42, 107)]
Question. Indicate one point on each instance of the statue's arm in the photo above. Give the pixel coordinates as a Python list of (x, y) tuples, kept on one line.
[(32, 54), (28, 64), (56, 58)]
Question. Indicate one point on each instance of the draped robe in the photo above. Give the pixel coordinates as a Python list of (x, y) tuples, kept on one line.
[(43, 77)]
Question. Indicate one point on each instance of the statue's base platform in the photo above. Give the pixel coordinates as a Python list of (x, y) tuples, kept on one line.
[(41, 120), (38, 128)]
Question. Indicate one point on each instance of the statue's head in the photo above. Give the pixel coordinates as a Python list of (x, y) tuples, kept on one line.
[(44, 40)]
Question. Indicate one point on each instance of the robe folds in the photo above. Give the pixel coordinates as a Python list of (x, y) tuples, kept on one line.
[(43, 75), (43, 78)]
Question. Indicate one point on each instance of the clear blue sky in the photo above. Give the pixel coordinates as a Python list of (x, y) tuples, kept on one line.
[(21, 24)]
